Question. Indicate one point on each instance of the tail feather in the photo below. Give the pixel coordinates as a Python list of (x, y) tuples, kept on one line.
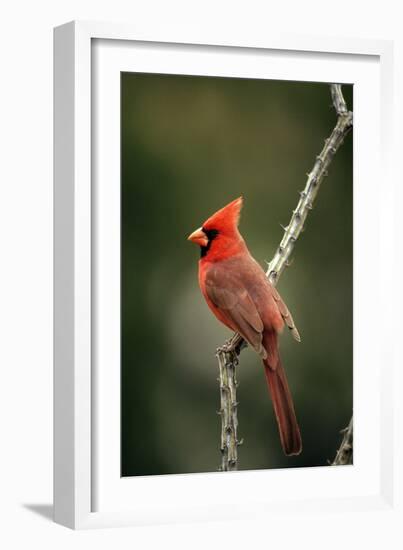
[(283, 404)]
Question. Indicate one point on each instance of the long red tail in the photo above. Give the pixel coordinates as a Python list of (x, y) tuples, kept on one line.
[(283, 404)]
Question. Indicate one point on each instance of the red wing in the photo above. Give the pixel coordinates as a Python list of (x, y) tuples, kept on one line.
[(286, 315), (230, 296)]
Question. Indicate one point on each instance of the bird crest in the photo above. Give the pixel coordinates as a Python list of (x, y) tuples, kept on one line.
[(227, 218)]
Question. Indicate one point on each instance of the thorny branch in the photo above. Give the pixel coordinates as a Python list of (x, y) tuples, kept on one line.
[(228, 354), (345, 453)]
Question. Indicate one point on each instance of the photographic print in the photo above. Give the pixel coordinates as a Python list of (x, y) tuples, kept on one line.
[(237, 217)]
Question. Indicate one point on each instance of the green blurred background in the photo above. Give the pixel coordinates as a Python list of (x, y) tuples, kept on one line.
[(189, 146)]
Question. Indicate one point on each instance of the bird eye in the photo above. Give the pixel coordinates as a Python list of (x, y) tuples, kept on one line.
[(210, 233)]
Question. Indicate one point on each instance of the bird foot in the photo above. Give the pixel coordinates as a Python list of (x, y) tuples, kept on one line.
[(229, 346)]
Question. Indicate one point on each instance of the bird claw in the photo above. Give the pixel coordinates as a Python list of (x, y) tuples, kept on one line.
[(228, 347)]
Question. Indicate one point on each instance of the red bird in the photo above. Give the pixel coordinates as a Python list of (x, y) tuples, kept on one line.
[(240, 295)]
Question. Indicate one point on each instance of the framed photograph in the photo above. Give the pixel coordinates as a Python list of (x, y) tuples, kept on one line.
[(220, 243)]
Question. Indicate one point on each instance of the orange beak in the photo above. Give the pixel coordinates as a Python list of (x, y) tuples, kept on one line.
[(199, 237)]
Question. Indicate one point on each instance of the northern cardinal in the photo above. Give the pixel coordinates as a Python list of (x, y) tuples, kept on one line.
[(240, 295)]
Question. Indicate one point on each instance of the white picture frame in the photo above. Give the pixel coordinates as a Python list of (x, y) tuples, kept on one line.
[(88, 491)]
